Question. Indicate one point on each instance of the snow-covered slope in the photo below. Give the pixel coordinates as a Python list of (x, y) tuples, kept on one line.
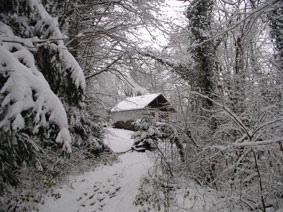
[(106, 188)]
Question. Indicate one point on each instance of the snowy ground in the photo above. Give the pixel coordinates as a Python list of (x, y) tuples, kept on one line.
[(107, 188)]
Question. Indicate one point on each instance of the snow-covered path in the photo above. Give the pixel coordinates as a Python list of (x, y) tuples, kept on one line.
[(107, 188)]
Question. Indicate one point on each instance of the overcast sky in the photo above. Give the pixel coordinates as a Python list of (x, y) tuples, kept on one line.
[(173, 12)]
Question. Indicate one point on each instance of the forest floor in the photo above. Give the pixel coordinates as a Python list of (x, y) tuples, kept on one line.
[(115, 187), (109, 188), (128, 184)]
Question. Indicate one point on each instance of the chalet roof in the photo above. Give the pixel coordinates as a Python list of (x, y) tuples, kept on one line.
[(137, 102)]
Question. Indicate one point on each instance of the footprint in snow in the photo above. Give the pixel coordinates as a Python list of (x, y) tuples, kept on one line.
[(101, 192)]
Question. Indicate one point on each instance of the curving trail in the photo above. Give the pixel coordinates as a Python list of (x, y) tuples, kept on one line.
[(107, 188)]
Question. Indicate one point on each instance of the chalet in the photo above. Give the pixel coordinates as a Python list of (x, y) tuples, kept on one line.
[(133, 108)]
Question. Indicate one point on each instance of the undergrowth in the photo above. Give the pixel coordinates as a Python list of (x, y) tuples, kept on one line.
[(35, 184)]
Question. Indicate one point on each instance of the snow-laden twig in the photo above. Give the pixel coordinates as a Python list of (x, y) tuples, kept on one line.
[(104, 69), (256, 12), (258, 143), (232, 115), (266, 124)]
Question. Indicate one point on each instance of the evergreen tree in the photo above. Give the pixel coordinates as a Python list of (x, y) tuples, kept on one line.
[(37, 74)]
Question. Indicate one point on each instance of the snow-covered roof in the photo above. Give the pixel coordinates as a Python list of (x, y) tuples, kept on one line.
[(135, 103)]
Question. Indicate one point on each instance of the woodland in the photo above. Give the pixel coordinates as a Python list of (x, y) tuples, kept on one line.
[(64, 64)]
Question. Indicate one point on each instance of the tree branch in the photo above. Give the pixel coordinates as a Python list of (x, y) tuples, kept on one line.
[(158, 59), (105, 69), (229, 112)]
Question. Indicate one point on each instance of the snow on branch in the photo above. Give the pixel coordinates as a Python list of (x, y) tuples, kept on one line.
[(25, 89), (232, 115), (257, 143), (49, 31)]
